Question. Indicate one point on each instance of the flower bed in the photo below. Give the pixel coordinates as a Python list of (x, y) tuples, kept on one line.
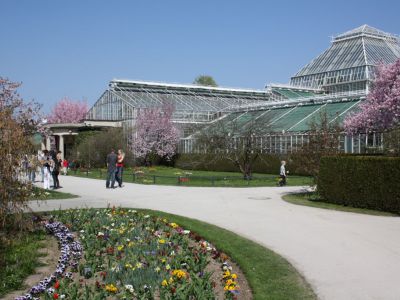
[(71, 253), (128, 255)]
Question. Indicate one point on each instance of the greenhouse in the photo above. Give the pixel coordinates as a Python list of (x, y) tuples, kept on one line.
[(335, 82), (348, 64)]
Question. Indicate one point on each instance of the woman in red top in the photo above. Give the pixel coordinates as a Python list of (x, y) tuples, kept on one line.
[(120, 165)]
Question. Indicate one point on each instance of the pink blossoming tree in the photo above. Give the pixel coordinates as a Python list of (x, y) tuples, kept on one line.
[(381, 110), (155, 135), (68, 111)]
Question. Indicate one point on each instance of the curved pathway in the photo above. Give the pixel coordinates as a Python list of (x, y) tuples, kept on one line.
[(342, 255)]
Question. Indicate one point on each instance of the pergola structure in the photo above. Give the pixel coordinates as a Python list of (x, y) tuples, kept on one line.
[(63, 135)]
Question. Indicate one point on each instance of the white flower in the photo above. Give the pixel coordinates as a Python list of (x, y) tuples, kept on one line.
[(129, 288), (146, 216), (186, 231), (100, 233), (82, 231), (112, 224)]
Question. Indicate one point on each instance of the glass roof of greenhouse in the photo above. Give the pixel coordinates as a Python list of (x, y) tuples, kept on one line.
[(142, 94), (295, 118), (361, 46)]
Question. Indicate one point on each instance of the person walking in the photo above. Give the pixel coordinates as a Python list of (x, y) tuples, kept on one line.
[(46, 162), (120, 165), (111, 168), (56, 169), (282, 174)]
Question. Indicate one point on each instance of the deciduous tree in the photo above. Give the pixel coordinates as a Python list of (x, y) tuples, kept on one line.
[(205, 80), (241, 145), (18, 121), (381, 110), (68, 111), (323, 139), (155, 136)]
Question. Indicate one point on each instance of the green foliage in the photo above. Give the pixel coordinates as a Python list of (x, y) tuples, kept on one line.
[(322, 140), (92, 147), (172, 176), (18, 259), (205, 80), (391, 141), (313, 199), (42, 194), (265, 163), (361, 181)]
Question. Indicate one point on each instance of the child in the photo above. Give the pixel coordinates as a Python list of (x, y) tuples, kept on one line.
[(65, 166)]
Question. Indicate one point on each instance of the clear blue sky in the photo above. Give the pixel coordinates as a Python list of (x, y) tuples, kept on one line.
[(73, 48)]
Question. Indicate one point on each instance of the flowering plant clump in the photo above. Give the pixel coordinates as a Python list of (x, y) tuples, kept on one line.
[(71, 253), (231, 286), (130, 255)]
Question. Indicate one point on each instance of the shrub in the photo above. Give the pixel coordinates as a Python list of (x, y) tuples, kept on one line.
[(265, 163), (361, 181), (92, 147)]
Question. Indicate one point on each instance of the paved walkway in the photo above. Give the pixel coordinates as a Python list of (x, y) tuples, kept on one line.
[(342, 255)]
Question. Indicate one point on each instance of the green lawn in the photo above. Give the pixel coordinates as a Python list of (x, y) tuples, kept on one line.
[(41, 194), (173, 176), (311, 199), (270, 276), (18, 259)]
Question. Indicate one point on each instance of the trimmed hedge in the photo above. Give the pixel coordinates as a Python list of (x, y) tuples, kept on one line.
[(266, 164), (361, 181)]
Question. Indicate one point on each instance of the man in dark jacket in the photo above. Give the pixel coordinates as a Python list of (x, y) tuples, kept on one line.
[(111, 168)]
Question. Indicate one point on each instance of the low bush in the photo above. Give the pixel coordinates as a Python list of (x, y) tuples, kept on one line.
[(361, 181), (268, 164), (265, 164)]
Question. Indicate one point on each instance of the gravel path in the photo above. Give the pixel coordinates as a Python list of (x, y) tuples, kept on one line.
[(342, 255)]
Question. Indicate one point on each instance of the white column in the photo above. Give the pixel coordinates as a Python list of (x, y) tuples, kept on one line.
[(43, 143), (61, 145), (48, 143)]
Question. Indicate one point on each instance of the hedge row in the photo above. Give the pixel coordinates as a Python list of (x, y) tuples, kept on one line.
[(265, 164), (361, 181)]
